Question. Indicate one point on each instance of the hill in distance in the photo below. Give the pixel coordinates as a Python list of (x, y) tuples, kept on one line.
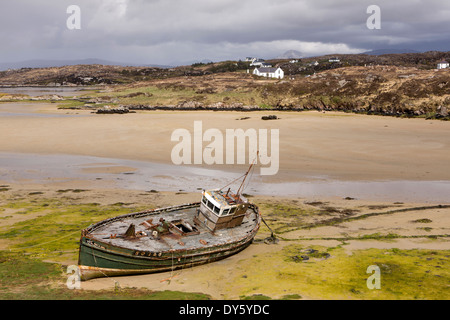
[(379, 52), (94, 71), (291, 54), (294, 54), (39, 63)]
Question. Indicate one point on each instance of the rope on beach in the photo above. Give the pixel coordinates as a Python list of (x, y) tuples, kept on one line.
[(44, 243), (272, 239), (269, 240), (116, 283)]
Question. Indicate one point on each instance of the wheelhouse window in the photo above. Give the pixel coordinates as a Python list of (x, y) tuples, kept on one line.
[(217, 210), (210, 205)]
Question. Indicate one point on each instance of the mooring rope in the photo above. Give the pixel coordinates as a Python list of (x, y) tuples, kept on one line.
[(272, 238), (41, 244), (116, 283)]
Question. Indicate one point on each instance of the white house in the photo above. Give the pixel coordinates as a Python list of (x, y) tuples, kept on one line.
[(265, 65), (257, 62), (277, 73), (334, 59), (443, 65)]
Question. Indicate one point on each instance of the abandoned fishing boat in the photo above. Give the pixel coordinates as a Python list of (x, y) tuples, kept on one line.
[(221, 224)]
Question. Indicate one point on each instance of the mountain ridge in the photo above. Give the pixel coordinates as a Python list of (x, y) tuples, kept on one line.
[(43, 63), (378, 52), (291, 54)]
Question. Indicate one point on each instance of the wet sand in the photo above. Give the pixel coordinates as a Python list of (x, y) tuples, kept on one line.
[(312, 144), (321, 154), (143, 175)]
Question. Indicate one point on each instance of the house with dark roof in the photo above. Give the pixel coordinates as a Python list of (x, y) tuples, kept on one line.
[(265, 65), (257, 62)]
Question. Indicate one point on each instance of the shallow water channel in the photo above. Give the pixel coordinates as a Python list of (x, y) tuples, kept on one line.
[(141, 175)]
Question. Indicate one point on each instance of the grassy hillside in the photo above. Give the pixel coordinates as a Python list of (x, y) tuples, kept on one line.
[(395, 84), (386, 90)]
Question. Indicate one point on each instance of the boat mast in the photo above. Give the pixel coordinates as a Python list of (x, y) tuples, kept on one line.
[(245, 176)]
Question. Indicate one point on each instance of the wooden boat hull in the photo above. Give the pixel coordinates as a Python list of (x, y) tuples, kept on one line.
[(99, 257)]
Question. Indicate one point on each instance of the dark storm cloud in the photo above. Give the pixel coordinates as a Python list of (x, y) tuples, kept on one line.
[(163, 31)]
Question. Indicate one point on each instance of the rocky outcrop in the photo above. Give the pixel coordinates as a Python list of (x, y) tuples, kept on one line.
[(442, 111), (111, 110), (51, 97), (22, 97), (270, 117), (195, 105), (356, 107)]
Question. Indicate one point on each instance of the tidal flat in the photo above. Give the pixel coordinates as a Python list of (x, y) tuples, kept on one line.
[(352, 192), (322, 249)]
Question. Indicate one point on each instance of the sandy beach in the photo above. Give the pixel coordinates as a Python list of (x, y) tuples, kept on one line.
[(335, 145)]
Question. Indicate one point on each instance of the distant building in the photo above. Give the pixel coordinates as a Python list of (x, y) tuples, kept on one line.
[(335, 59), (249, 59), (293, 61), (257, 62), (277, 73), (265, 65), (443, 64)]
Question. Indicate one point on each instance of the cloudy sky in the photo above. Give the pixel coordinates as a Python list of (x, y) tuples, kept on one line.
[(173, 31)]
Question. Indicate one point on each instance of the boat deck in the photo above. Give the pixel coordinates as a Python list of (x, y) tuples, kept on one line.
[(112, 233)]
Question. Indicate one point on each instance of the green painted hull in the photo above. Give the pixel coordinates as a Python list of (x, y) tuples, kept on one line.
[(99, 258)]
